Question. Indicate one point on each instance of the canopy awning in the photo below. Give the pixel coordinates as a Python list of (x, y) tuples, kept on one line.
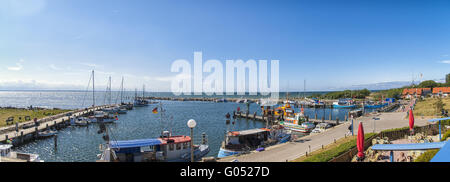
[(439, 119), (409, 146), (135, 143)]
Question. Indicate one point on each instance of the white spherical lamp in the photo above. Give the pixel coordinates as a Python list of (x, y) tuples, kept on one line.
[(191, 123)]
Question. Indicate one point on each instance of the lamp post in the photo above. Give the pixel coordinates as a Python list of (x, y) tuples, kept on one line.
[(191, 124), (374, 119)]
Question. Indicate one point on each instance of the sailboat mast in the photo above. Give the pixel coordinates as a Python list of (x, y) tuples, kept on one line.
[(109, 87), (304, 88), (93, 89), (121, 92)]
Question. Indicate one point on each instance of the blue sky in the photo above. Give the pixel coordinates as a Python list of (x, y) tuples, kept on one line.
[(332, 44)]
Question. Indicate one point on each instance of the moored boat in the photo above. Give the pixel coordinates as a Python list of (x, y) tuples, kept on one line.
[(47, 133), (240, 142), (7, 155), (166, 148), (344, 103)]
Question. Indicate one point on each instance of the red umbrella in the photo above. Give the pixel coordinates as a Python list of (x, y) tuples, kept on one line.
[(411, 120), (360, 141)]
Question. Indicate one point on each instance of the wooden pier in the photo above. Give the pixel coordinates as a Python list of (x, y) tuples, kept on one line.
[(265, 119), (18, 135)]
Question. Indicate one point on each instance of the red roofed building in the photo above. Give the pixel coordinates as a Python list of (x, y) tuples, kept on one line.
[(415, 92), (441, 91)]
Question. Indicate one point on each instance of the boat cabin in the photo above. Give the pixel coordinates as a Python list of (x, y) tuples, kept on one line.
[(247, 138), (170, 148)]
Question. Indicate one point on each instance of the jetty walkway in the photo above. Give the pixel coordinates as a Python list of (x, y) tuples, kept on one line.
[(56, 121), (295, 149)]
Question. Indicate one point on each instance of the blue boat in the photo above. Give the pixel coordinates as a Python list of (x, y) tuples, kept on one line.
[(375, 106), (344, 103)]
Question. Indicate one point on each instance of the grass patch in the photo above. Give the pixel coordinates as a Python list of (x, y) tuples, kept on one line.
[(21, 113), (426, 107), (427, 156), (332, 150)]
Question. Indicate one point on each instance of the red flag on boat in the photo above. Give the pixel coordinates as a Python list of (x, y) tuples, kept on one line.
[(303, 110), (411, 120), (360, 141), (238, 109)]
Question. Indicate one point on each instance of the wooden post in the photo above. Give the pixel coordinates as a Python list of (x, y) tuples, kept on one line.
[(55, 140), (21, 136)]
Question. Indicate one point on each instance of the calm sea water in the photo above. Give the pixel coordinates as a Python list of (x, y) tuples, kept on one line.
[(81, 143)]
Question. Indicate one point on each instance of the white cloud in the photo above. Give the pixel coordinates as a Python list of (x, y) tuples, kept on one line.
[(92, 65), (53, 67), (445, 61), (18, 66)]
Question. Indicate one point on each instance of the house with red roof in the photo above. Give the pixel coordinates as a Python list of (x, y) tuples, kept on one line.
[(415, 92), (441, 91)]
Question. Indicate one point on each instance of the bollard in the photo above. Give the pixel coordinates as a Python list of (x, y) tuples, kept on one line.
[(46, 126), (322, 146), (335, 140), (6, 138), (306, 153)]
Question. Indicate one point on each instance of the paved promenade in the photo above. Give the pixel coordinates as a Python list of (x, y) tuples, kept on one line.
[(292, 150)]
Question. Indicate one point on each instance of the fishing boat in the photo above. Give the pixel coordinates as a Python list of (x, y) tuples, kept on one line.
[(305, 127), (7, 155), (47, 133), (166, 148), (245, 141), (344, 103), (79, 121), (100, 116)]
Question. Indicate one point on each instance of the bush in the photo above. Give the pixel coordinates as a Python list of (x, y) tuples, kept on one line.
[(427, 156), (446, 135)]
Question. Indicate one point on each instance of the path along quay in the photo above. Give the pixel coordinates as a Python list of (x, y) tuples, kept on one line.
[(297, 148), (20, 135)]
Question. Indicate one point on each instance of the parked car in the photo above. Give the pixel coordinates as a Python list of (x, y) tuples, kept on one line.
[(321, 127)]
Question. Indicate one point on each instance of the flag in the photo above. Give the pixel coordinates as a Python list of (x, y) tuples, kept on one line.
[(155, 110)]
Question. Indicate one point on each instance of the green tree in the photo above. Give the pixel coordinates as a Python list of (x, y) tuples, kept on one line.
[(428, 84), (447, 79)]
